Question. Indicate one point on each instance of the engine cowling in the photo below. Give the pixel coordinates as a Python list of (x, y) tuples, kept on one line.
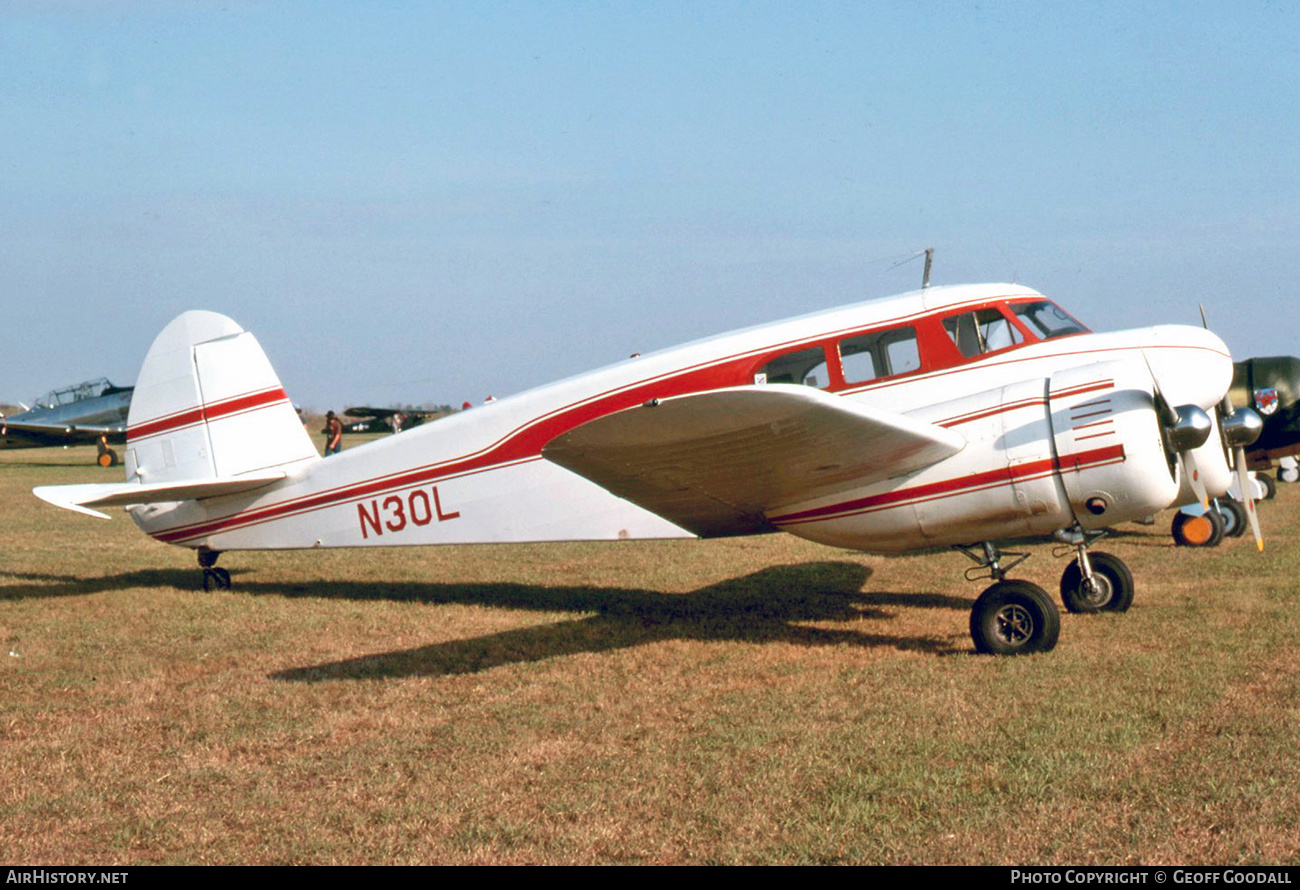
[(1115, 460)]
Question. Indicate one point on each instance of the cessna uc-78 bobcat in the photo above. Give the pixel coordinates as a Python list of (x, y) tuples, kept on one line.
[(973, 415)]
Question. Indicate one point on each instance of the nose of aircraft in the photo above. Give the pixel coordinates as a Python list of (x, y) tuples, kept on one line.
[(1271, 385), (1192, 371)]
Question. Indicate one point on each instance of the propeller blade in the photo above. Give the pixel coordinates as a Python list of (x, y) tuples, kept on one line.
[(1193, 475), (1247, 495), (1238, 452)]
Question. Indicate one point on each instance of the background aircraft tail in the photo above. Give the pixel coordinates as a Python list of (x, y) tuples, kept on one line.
[(209, 405)]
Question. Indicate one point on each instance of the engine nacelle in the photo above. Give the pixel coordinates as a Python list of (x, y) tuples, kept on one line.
[(1114, 461)]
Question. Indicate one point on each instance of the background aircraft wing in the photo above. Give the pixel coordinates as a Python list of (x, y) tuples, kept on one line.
[(26, 434), (364, 411), (717, 462)]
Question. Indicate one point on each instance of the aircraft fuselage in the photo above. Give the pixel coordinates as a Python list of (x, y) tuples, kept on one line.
[(1057, 421)]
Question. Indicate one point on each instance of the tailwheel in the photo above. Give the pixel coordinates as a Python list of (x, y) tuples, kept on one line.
[(1110, 589), (1014, 618), (216, 578), (1204, 530)]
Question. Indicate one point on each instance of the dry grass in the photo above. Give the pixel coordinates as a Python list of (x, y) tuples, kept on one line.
[(743, 701)]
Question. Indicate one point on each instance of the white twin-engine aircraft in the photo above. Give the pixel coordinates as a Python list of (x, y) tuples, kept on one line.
[(958, 416)]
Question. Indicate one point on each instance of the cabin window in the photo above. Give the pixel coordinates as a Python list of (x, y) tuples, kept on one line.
[(981, 331), (879, 354), (1046, 319), (806, 367)]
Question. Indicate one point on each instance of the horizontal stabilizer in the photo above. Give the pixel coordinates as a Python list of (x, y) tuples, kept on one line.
[(716, 463), (119, 494)]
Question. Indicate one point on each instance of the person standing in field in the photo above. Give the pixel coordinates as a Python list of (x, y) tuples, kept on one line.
[(333, 434)]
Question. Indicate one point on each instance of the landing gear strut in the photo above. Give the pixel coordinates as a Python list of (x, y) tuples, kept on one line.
[(1094, 582), (213, 576), (1018, 617), (1009, 617)]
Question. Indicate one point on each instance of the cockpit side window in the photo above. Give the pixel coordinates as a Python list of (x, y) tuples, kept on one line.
[(868, 357), (1046, 319), (980, 331), (806, 367)]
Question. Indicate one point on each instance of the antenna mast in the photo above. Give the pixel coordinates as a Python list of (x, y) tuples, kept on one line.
[(925, 276)]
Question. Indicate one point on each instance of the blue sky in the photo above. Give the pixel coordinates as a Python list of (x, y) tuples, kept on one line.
[(431, 202)]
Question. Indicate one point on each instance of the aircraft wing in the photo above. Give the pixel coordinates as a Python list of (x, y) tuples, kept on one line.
[(120, 494), (717, 462), (25, 434), (364, 411)]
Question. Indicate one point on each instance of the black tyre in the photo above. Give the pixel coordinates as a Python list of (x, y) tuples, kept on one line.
[(216, 578), (1014, 618), (1234, 516), (1205, 530), (1288, 474), (1270, 487), (1111, 590)]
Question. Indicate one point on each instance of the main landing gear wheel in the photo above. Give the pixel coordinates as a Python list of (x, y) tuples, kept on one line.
[(1234, 517), (1205, 530), (1014, 618), (1270, 487), (1110, 590), (106, 457), (1288, 474)]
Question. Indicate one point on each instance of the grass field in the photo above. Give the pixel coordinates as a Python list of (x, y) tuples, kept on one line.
[(757, 700)]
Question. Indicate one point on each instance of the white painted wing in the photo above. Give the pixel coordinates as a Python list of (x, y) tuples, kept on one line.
[(717, 462), (120, 494)]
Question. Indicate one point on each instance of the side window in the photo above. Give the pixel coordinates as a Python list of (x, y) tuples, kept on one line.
[(868, 357), (903, 353), (999, 333), (858, 359), (986, 330), (806, 367)]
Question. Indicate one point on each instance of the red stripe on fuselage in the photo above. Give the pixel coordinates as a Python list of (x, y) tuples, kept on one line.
[(321, 500), (991, 412), (950, 487), (984, 413)]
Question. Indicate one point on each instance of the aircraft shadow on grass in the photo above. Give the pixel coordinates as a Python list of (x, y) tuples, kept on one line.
[(766, 606), (47, 585), (771, 605)]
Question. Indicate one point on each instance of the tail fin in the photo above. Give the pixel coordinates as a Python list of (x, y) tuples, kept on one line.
[(209, 405)]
